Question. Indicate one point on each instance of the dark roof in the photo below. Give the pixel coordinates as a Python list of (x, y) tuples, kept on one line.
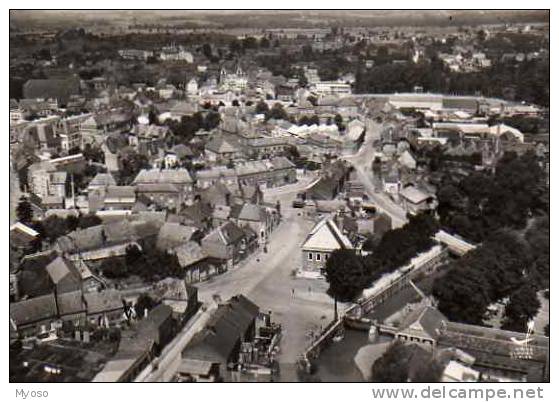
[(104, 301), (60, 89), (71, 303), (223, 331), (33, 310), (429, 318), (228, 233), (33, 278)]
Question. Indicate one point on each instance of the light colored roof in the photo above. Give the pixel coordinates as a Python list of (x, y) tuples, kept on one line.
[(58, 269), (501, 129), (174, 176), (192, 366), (326, 236), (457, 372), (18, 226), (221, 145), (189, 253), (413, 194), (102, 179), (407, 159), (174, 234)]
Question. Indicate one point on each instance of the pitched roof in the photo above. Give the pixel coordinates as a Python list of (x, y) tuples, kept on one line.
[(70, 303), (104, 301), (221, 145), (189, 253), (33, 310), (103, 179), (413, 194), (216, 342), (228, 233), (249, 212), (173, 176), (60, 269), (173, 235), (424, 319), (326, 236), (60, 89)]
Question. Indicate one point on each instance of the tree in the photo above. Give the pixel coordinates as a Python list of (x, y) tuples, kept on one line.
[(277, 112), (55, 227), (395, 365), (144, 302), (152, 117), (86, 221), (207, 50), (261, 107), (346, 275), (133, 255), (24, 211), (212, 120), (264, 43), (521, 308)]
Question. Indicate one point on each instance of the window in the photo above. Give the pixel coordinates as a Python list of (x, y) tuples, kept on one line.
[(318, 256), (310, 256)]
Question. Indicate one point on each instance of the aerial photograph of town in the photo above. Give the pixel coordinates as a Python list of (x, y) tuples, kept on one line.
[(279, 196)]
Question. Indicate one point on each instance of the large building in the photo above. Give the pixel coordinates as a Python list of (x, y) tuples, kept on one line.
[(320, 243)]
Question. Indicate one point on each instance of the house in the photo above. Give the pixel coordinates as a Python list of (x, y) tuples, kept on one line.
[(22, 236), (227, 243), (391, 182), (407, 160), (259, 218), (172, 235), (415, 200), (158, 325), (101, 180), (458, 372), (51, 88), (331, 182), (64, 275), (33, 316), (104, 306), (106, 240), (210, 352), (220, 149), (69, 131), (179, 295), (322, 240), (218, 194), (163, 195), (118, 198), (180, 178), (196, 263), (422, 326), (220, 215)]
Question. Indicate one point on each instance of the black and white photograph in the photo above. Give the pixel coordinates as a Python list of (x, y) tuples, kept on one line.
[(279, 196)]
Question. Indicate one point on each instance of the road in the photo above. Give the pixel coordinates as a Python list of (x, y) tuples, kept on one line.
[(362, 161), (299, 305), (170, 358)]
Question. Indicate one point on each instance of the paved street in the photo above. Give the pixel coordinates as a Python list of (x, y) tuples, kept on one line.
[(301, 306), (169, 361), (362, 161)]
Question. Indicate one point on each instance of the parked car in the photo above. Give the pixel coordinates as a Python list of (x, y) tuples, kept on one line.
[(298, 203)]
